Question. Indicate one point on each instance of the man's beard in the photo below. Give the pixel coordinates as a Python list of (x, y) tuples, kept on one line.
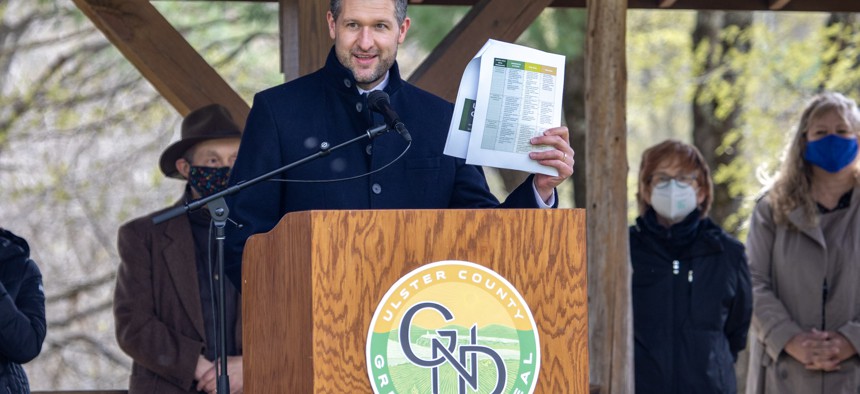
[(382, 66)]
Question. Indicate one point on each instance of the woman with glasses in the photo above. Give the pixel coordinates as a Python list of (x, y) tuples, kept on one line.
[(691, 285), (804, 248)]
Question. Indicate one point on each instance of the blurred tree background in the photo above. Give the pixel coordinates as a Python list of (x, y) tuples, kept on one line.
[(80, 136), (81, 131)]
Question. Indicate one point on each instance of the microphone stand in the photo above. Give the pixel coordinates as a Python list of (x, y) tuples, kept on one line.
[(219, 212)]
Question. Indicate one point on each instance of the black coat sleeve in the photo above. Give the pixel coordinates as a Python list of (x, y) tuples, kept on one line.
[(22, 314), (740, 312)]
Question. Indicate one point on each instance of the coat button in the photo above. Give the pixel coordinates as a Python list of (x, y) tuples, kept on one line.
[(358, 107), (377, 189), (369, 149), (347, 82)]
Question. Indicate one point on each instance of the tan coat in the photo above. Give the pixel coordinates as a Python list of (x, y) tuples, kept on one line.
[(157, 307), (788, 269)]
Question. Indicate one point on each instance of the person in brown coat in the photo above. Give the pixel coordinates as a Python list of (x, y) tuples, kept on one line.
[(804, 253), (164, 307)]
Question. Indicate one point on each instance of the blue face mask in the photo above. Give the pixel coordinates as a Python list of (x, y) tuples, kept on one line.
[(831, 153)]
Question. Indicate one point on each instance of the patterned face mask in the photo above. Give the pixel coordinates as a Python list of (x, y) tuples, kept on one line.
[(208, 180)]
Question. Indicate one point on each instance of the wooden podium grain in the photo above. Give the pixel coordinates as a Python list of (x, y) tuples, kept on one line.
[(312, 284)]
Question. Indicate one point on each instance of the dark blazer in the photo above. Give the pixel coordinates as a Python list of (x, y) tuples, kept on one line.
[(288, 122), (157, 307), (22, 312)]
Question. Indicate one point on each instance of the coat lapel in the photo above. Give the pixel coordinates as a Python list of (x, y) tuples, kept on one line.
[(182, 264), (796, 218)]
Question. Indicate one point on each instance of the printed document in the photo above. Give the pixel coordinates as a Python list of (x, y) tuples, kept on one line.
[(508, 94)]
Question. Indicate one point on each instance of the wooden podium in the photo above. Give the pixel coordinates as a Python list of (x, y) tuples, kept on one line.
[(312, 284)]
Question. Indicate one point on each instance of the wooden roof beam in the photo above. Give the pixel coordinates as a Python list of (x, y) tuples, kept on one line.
[(726, 5), (776, 5), (503, 20), (666, 3), (162, 55)]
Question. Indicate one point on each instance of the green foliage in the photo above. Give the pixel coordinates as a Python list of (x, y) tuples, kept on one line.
[(791, 57), (660, 85), (840, 59), (431, 23), (659, 76), (787, 65), (558, 30)]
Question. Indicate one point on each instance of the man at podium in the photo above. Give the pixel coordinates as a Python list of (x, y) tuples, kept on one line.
[(290, 121)]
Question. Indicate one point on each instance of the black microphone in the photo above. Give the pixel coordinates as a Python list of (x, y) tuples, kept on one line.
[(379, 102)]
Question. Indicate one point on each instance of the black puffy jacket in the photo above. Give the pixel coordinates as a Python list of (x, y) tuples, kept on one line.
[(22, 312), (692, 305)]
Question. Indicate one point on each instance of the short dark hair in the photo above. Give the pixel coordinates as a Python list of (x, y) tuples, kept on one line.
[(399, 9)]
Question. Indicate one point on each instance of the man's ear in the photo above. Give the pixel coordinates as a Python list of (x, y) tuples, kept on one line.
[(404, 27), (183, 166), (332, 28)]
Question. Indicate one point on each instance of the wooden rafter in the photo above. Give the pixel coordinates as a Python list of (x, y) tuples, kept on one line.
[(776, 5), (305, 41), (500, 19), (738, 5), (162, 55), (666, 3)]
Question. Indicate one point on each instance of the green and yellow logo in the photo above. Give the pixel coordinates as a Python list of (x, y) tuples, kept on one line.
[(453, 327)]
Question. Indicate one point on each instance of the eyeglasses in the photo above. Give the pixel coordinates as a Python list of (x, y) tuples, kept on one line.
[(661, 180)]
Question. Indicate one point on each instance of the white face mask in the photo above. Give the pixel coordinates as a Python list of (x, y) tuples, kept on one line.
[(674, 201)]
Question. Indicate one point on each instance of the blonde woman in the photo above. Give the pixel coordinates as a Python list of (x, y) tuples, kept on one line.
[(804, 252)]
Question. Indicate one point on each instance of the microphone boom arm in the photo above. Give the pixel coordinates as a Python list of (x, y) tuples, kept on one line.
[(325, 150)]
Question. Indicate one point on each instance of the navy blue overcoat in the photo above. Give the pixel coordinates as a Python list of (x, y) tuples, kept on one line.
[(288, 122)]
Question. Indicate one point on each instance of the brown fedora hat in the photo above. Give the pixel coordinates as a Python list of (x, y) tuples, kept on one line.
[(205, 123)]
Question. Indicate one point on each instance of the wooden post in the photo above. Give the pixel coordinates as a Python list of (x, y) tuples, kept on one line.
[(610, 313), (162, 55), (305, 41)]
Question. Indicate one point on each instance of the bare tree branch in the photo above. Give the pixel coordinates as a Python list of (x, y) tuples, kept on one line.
[(56, 344), (94, 126), (241, 47), (79, 288), (75, 317), (75, 36), (24, 103)]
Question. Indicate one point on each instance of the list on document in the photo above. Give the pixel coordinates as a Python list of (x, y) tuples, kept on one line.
[(508, 94)]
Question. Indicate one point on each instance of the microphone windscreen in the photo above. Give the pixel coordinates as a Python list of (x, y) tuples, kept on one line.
[(376, 98)]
